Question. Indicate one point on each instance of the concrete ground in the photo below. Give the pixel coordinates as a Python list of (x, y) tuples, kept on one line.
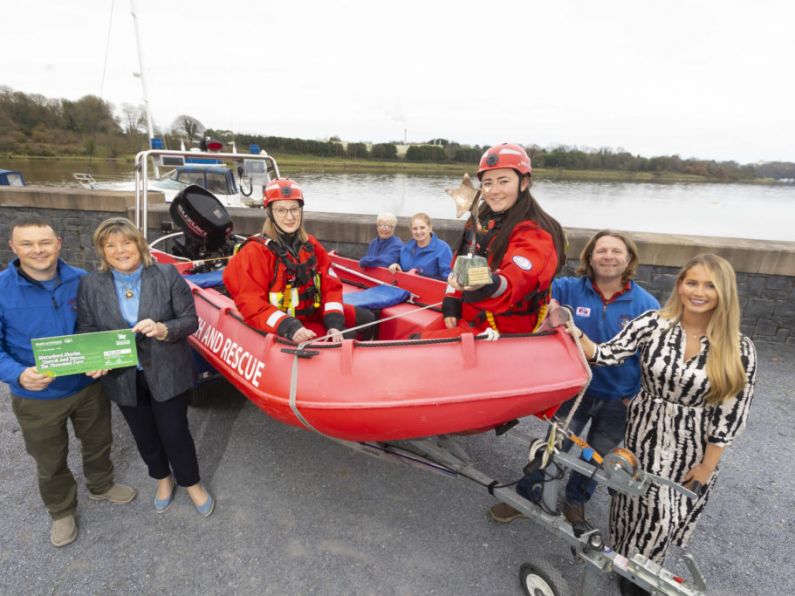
[(298, 514)]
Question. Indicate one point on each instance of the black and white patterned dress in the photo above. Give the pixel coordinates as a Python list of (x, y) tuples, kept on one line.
[(669, 425)]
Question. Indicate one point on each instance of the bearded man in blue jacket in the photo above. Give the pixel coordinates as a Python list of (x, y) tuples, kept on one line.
[(603, 300), (38, 296)]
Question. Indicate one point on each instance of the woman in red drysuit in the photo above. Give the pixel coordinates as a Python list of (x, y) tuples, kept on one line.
[(280, 280), (524, 247)]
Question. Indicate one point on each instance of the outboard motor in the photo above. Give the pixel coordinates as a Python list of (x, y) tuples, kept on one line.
[(205, 223)]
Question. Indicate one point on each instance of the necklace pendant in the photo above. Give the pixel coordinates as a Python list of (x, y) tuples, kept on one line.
[(129, 294)]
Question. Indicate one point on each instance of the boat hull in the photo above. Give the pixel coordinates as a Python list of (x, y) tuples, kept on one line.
[(395, 389)]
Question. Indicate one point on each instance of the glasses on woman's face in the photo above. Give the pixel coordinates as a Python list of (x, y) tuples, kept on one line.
[(384, 226), (283, 212)]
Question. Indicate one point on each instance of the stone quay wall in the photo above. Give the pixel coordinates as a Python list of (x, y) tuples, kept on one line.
[(765, 269)]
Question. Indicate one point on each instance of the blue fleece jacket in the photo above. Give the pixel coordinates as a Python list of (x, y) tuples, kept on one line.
[(430, 261), (602, 322), (382, 253), (29, 310)]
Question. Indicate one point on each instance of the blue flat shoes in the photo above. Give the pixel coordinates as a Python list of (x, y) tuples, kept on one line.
[(206, 508), (162, 505)]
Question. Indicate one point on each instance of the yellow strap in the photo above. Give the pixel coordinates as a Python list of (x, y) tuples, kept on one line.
[(287, 297), (492, 322), (542, 314)]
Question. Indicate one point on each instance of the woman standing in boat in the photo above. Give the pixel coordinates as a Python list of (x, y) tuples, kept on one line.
[(697, 381), (523, 245), (426, 253), (281, 281), (131, 290)]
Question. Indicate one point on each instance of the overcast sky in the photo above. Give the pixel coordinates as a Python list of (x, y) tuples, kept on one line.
[(700, 79)]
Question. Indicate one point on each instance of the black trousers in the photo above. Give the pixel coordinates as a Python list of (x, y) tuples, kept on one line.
[(161, 432)]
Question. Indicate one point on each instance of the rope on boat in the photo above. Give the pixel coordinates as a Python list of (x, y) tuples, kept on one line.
[(374, 280), (301, 346), (293, 395)]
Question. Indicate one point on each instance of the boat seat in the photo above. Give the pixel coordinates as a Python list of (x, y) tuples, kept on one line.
[(377, 297), (212, 279)]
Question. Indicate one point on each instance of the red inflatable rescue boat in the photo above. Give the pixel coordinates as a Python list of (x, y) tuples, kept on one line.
[(393, 388)]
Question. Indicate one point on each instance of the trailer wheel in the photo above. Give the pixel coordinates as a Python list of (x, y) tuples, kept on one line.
[(542, 579)]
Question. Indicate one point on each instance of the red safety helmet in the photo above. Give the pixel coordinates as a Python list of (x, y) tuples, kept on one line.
[(282, 189), (505, 155)]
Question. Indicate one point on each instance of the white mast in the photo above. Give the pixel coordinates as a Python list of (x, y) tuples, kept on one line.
[(149, 127)]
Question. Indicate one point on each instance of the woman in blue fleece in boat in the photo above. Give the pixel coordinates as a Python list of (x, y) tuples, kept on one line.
[(426, 253), (385, 248)]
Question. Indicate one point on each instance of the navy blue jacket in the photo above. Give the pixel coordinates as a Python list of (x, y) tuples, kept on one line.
[(430, 261), (28, 310), (382, 253), (601, 322)]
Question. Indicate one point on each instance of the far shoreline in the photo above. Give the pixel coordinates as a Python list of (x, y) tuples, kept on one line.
[(302, 163)]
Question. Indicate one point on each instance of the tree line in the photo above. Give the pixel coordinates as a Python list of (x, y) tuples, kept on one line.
[(32, 124)]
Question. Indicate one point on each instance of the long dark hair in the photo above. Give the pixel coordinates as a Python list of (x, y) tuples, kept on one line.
[(525, 208)]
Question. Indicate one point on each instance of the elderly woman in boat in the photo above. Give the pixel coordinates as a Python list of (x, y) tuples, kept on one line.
[(425, 253), (385, 247), (281, 280), (131, 290), (522, 244)]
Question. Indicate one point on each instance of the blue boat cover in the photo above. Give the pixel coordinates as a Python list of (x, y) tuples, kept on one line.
[(207, 280), (377, 297)]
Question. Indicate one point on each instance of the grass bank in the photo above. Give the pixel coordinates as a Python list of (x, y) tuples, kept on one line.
[(291, 164), (298, 163)]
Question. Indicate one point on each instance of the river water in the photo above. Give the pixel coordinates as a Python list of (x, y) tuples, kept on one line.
[(731, 210)]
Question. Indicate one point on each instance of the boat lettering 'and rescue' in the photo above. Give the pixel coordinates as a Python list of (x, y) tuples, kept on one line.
[(235, 355)]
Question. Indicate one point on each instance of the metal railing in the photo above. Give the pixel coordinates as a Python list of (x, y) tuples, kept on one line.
[(159, 159)]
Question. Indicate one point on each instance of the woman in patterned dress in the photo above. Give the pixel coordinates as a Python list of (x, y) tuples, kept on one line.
[(698, 374)]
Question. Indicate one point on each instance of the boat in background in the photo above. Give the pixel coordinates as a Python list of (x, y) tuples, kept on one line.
[(237, 185), (11, 178)]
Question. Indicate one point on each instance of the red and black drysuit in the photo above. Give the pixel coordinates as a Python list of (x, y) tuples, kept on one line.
[(280, 287), (520, 281)]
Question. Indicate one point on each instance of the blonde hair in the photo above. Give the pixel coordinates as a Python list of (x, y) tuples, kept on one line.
[(123, 226), (424, 217), (587, 252), (725, 370)]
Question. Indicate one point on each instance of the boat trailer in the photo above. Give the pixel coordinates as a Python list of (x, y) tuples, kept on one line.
[(618, 471)]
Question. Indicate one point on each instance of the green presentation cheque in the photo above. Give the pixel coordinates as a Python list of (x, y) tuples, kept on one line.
[(84, 352)]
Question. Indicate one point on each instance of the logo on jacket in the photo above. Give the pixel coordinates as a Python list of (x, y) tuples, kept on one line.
[(522, 262), (583, 311), (624, 320)]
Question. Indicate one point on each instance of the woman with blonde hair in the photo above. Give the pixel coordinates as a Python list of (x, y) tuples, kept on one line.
[(131, 290), (282, 281), (697, 381), (425, 253)]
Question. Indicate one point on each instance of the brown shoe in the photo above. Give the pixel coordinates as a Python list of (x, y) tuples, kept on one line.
[(575, 514), (120, 494), (502, 513), (64, 531)]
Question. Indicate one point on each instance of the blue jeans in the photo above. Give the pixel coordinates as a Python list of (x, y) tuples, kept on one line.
[(608, 421)]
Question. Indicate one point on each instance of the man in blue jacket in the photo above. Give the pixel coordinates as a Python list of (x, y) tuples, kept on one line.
[(38, 295), (603, 300)]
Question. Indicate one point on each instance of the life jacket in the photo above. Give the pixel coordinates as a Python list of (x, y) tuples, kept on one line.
[(534, 303), (295, 285)]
